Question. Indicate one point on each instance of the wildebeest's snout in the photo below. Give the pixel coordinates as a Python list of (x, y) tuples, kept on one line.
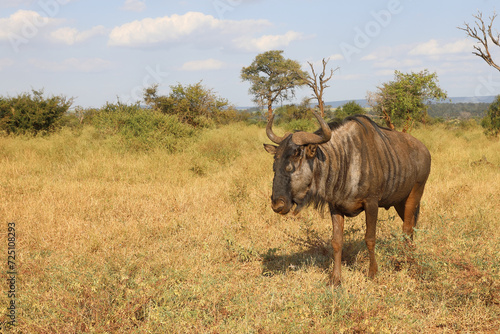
[(279, 206)]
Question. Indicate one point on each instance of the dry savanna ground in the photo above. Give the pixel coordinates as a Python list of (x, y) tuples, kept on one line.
[(114, 241)]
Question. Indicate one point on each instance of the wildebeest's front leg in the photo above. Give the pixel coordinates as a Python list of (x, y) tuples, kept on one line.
[(337, 242), (371, 211)]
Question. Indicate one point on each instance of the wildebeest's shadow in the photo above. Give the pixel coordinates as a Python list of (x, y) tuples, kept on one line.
[(316, 252)]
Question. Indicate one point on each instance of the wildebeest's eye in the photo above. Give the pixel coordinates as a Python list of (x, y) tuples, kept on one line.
[(289, 168), (297, 153)]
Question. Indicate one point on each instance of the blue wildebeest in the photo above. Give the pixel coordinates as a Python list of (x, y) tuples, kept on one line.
[(351, 166)]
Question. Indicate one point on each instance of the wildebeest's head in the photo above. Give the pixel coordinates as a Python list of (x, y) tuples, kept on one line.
[(293, 165)]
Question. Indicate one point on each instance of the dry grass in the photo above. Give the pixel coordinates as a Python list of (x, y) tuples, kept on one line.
[(116, 242)]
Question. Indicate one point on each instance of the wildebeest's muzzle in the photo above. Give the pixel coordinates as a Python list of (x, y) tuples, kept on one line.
[(279, 206), (280, 200)]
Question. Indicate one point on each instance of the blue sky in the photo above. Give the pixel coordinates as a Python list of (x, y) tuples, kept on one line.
[(96, 51)]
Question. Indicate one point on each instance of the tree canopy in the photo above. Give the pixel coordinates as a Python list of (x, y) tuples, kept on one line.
[(273, 78), (405, 99)]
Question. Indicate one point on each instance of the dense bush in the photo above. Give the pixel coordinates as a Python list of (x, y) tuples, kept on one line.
[(293, 112), (293, 117), (349, 109), (491, 122), (303, 124), (136, 128), (195, 105), (32, 113)]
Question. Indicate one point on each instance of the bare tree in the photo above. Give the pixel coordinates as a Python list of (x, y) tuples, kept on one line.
[(80, 113), (319, 87), (481, 33)]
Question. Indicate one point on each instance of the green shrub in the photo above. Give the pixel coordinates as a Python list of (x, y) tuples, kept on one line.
[(133, 127), (292, 112), (349, 109), (195, 105), (294, 117), (491, 122), (308, 125), (32, 113), (69, 120)]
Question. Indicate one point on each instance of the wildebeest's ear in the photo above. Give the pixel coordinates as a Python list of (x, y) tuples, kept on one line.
[(311, 151), (270, 148)]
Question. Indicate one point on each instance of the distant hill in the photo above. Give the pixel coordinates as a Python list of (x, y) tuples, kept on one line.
[(459, 99), (336, 104)]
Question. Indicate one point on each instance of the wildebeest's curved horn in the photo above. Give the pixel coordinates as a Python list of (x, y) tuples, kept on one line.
[(305, 138), (271, 135)]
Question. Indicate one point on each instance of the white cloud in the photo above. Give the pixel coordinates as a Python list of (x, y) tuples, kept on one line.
[(267, 42), (88, 65), (25, 24), (191, 28), (434, 48), (20, 3), (336, 56), (71, 36), (201, 65), (398, 63), (387, 52), (371, 56), (134, 5), (387, 59)]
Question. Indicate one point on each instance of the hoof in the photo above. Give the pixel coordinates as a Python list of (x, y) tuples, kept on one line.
[(334, 282)]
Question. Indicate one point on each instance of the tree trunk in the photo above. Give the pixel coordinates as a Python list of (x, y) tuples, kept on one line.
[(387, 119), (322, 108), (269, 109), (408, 124)]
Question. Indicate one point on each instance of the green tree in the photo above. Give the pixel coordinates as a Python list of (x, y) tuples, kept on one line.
[(491, 122), (349, 109), (32, 113), (195, 104), (273, 78), (405, 99)]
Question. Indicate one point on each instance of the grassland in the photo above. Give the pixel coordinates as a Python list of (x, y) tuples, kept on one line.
[(113, 241)]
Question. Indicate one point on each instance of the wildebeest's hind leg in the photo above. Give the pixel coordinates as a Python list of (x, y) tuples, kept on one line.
[(409, 209)]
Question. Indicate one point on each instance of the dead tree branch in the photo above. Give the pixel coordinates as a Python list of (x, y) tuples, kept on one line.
[(481, 33), (319, 87)]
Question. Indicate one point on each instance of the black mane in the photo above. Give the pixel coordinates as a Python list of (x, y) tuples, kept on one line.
[(337, 123), (355, 118)]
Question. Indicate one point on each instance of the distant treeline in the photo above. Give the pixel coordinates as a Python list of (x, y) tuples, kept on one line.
[(458, 110), (455, 110)]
